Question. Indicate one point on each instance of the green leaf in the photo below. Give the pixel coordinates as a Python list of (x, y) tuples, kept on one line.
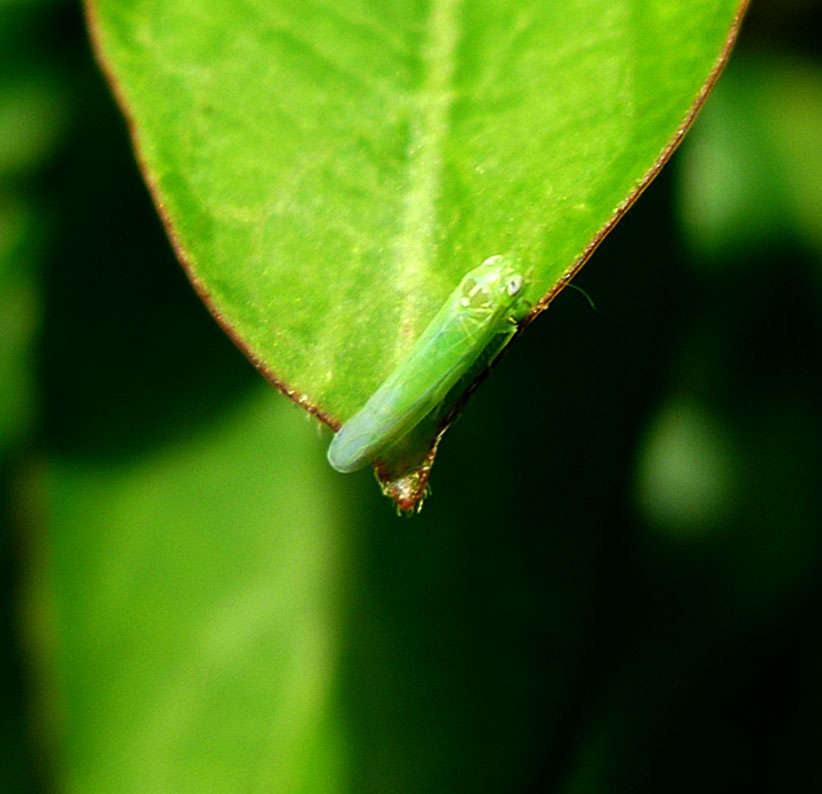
[(189, 600), (328, 172)]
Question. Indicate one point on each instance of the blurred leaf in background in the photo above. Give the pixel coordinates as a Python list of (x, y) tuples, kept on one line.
[(19, 310), (752, 172), (745, 385), (194, 628), (33, 119)]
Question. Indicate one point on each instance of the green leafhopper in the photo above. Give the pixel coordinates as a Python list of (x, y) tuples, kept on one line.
[(487, 302)]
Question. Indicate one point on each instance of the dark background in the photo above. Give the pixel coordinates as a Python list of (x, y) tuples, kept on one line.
[(614, 586)]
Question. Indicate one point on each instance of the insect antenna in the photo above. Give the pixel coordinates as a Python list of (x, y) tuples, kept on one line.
[(585, 294)]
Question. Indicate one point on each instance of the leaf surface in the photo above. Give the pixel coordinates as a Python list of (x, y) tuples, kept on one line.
[(328, 172)]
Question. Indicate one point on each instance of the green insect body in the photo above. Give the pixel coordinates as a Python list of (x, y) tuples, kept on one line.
[(487, 302)]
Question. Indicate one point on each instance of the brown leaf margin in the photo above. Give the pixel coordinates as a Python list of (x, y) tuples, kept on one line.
[(654, 170), (407, 497), (184, 258)]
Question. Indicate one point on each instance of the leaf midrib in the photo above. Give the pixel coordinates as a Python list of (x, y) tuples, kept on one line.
[(429, 126)]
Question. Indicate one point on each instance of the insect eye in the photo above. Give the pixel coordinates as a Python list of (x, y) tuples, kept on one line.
[(514, 285)]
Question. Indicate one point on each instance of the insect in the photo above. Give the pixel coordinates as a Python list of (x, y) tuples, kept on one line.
[(488, 302)]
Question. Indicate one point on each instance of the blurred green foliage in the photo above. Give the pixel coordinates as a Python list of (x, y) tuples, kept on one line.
[(627, 600), (180, 607), (752, 173)]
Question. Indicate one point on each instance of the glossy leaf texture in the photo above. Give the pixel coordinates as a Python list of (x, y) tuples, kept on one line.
[(328, 172)]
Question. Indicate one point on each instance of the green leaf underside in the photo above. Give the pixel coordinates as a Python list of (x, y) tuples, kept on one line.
[(330, 171), (185, 655)]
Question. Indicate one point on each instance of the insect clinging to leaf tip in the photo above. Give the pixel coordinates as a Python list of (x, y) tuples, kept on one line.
[(488, 302)]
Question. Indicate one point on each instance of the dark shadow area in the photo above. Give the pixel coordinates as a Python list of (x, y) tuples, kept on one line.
[(130, 356), (23, 769)]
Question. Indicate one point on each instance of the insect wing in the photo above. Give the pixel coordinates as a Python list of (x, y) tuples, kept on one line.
[(446, 350)]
